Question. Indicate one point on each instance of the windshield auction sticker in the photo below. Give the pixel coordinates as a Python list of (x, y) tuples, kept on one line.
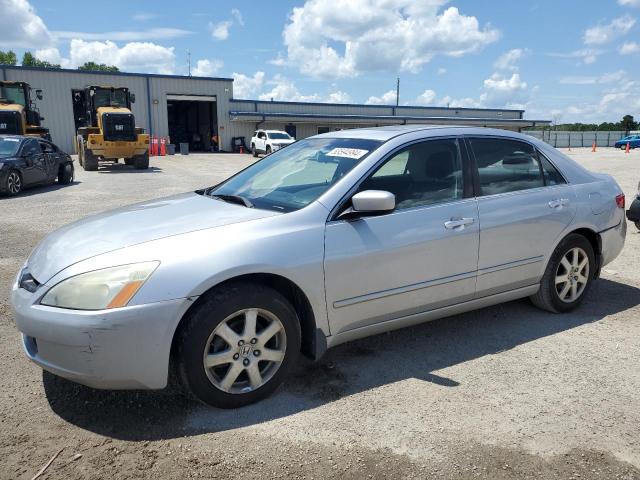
[(354, 153)]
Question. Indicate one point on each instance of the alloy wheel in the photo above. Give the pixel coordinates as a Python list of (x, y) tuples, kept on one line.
[(14, 184), (572, 275), (245, 351)]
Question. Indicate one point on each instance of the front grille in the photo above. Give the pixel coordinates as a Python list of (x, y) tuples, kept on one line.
[(10, 123), (119, 127)]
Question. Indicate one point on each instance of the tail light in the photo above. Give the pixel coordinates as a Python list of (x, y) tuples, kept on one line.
[(620, 200)]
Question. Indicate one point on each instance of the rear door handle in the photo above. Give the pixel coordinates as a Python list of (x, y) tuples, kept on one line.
[(458, 222)]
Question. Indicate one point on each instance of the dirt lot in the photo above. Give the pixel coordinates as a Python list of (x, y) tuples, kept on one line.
[(504, 392)]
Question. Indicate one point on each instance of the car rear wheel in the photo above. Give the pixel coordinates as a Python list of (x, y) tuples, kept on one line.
[(568, 275), (268, 152), (13, 183), (238, 345), (65, 174)]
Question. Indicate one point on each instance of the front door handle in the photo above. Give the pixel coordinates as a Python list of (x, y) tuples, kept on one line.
[(558, 202), (458, 223)]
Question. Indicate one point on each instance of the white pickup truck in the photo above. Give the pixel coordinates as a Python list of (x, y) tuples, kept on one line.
[(267, 141)]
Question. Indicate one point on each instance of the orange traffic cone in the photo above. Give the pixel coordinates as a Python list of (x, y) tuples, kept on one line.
[(593, 148), (628, 148), (241, 150)]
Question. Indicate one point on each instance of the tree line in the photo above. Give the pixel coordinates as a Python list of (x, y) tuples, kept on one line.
[(29, 60), (627, 124)]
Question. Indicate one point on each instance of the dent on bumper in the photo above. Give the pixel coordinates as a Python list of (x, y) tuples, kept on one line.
[(114, 349), (613, 241)]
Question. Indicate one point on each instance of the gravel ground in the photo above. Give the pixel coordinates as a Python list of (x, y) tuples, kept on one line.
[(504, 392)]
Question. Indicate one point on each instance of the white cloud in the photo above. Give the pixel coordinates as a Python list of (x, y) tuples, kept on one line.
[(220, 30), (587, 56), (125, 36), (52, 55), (629, 3), (339, 97), (344, 38), (427, 97), (629, 48), (508, 60), (387, 98), (612, 77), (21, 27), (284, 89), (613, 104), (133, 56), (237, 15), (247, 87), (207, 68), (607, 32), (144, 17), (442, 71)]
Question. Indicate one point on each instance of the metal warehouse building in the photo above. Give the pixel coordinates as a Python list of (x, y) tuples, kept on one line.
[(191, 109)]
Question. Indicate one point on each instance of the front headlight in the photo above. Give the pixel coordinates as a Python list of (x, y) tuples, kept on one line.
[(101, 289)]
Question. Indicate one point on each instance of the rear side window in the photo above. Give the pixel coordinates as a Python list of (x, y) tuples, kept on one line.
[(47, 147), (551, 174), (506, 165)]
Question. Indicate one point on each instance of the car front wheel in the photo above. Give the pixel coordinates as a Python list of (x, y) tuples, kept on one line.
[(568, 275), (13, 183), (238, 345)]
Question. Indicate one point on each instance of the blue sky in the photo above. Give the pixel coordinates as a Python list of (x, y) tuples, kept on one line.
[(563, 60)]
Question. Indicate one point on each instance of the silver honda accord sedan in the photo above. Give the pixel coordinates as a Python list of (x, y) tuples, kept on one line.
[(333, 238)]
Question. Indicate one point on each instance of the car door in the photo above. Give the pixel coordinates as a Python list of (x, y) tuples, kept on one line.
[(261, 142), (419, 257), (34, 170), (524, 205), (50, 160)]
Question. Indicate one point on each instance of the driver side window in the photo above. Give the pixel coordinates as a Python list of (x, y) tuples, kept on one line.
[(425, 173)]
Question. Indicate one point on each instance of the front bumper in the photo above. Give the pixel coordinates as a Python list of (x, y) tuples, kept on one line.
[(125, 348), (117, 149)]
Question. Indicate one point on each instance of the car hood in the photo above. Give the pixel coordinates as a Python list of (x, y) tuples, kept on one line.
[(131, 225)]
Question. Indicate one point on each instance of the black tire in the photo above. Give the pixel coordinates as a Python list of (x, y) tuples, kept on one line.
[(128, 161), (13, 183), (141, 162), (65, 173), (637, 224), (548, 297), (254, 152), (268, 152), (202, 321), (90, 160)]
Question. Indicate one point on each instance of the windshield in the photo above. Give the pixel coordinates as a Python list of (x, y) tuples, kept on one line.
[(14, 94), (9, 146), (292, 178), (279, 136), (108, 98)]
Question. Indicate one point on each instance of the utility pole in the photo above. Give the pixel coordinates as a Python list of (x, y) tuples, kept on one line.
[(398, 91), (189, 61)]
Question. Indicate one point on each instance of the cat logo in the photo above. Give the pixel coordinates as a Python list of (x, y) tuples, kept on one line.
[(3, 126), (119, 128)]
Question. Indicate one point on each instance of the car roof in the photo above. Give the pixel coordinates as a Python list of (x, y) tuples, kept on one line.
[(391, 131)]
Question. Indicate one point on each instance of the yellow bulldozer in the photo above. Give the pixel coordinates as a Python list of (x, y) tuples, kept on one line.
[(18, 112), (106, 128)]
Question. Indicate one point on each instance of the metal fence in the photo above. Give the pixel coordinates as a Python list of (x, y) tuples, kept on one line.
[(563, 139)]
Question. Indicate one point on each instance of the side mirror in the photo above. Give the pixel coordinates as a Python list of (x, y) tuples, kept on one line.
[(133, 98), (370, 202), (39, 94)]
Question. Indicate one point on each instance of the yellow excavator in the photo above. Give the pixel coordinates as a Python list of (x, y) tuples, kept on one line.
[(106, 128), (18, 112)]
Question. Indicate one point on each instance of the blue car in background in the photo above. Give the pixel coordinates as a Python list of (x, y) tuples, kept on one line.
[(632, 140)]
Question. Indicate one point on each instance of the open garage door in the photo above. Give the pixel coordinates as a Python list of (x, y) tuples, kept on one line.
[(192, 119)]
